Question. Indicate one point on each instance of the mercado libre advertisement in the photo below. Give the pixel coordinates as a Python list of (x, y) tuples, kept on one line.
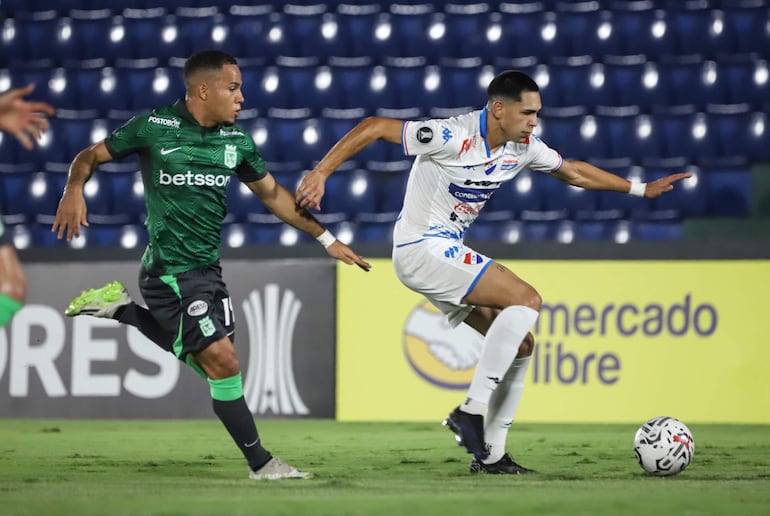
[(617, 341)]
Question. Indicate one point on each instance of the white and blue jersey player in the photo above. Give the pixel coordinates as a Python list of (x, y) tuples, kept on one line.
[(459, 164)]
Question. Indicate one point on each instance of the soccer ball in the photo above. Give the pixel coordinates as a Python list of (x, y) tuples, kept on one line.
[(664, 446)]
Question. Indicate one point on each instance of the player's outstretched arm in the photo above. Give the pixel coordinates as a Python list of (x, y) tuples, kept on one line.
[(281, 202), (26, 120), (311, 188), (590, 177), (71, 213)]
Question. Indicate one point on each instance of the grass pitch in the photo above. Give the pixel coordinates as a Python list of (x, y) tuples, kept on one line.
[(69, 467)]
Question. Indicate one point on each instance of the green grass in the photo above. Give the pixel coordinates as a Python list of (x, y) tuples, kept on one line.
[(69, 467)]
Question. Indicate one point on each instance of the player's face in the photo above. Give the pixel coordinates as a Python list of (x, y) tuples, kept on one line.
[(225, 97), (519, 119)]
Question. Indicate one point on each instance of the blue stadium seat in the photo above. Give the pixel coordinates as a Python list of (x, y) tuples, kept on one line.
[(361, 24), (108, 231), (241, 202), (694, 81), (307, 84), (270, 92), (353, 75), (258, 32), (699, 30), (415, 85), (474, 22), (561, 196), (297, 139), (101, 36), (525, 192), (313, 30), (749, 27), (45, 36), (101, 88), (390, 188), (376, 229), (587, 30), (204, 27), (465, 81), (410, 24), (579, 82), (689, 135), (645, 31), (576, 137), (748, 81), (153, 34), (148, 84), (351, 193), (632, 136), (689, 198), (633, 80), (729, 191), (657, 230), (28, 193), (626, 204), (530, 32), (127, 190), (541, 225)]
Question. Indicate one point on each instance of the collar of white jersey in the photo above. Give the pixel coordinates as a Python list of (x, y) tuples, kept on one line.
[(483, 130)]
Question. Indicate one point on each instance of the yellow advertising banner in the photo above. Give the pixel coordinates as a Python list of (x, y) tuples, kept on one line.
[(617, 341)]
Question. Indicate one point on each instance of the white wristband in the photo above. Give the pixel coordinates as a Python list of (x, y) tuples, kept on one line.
[(326, 238), (637, 188)]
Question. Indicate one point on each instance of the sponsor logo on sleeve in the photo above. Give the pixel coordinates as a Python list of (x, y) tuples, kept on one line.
[(424, 134)]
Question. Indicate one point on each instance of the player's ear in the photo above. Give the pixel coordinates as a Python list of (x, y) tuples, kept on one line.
[(203, 90)]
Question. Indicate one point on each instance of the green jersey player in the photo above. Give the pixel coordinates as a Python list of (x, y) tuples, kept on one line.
[(189, 153)]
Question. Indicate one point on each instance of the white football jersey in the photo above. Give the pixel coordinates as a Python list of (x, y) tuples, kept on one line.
[(454, 174)]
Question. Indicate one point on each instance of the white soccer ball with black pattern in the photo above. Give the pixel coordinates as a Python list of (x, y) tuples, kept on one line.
[(664, 446)]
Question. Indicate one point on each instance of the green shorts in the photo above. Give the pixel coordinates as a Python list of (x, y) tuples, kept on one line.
[(194, 306)]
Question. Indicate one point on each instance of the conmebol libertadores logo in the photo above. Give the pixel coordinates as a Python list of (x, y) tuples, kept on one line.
[(269, 385)]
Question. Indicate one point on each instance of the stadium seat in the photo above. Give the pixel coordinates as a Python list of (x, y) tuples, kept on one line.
[(628, 205), (645, 31), (561, 196), (204, 27), (631, 135), (729, 192), (28, 193), (390, 188), (579, 81), (694, 81), (410, 24), (127, 190), (633, 80), (100, 35), (689, 196), (350, 193), (110, 231), (465, 82), (258, 33), (530, 33), (313, 30), (359, 24), (587, 30), (153, 34), (748, 81), (44, 36), (525, 192), (473, 21), (576, 136), (353, 75), (657, 230), (307, 85), (541, 225), (698, 29), (101, 88), (376, 229), (296, 138), (749, 27), (689, 135)]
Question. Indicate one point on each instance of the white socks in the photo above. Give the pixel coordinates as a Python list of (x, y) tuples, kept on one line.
[(502, 408), (500, 348)]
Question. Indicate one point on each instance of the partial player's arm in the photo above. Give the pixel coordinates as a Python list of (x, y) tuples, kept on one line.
[(585, 175), (311, 188), (281, 202), (26, 120), (71, 213)]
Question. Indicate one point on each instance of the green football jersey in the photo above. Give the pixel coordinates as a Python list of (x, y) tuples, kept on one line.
[(186, 169)]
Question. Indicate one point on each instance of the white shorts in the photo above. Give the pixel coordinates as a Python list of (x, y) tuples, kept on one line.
[(443, 270)]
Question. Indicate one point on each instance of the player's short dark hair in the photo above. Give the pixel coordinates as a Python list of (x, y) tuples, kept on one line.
[(206, 60), (510, 84)]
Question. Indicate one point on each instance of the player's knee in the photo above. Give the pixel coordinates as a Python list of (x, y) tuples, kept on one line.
[(8, 308), (531, 299), (527, 346)]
